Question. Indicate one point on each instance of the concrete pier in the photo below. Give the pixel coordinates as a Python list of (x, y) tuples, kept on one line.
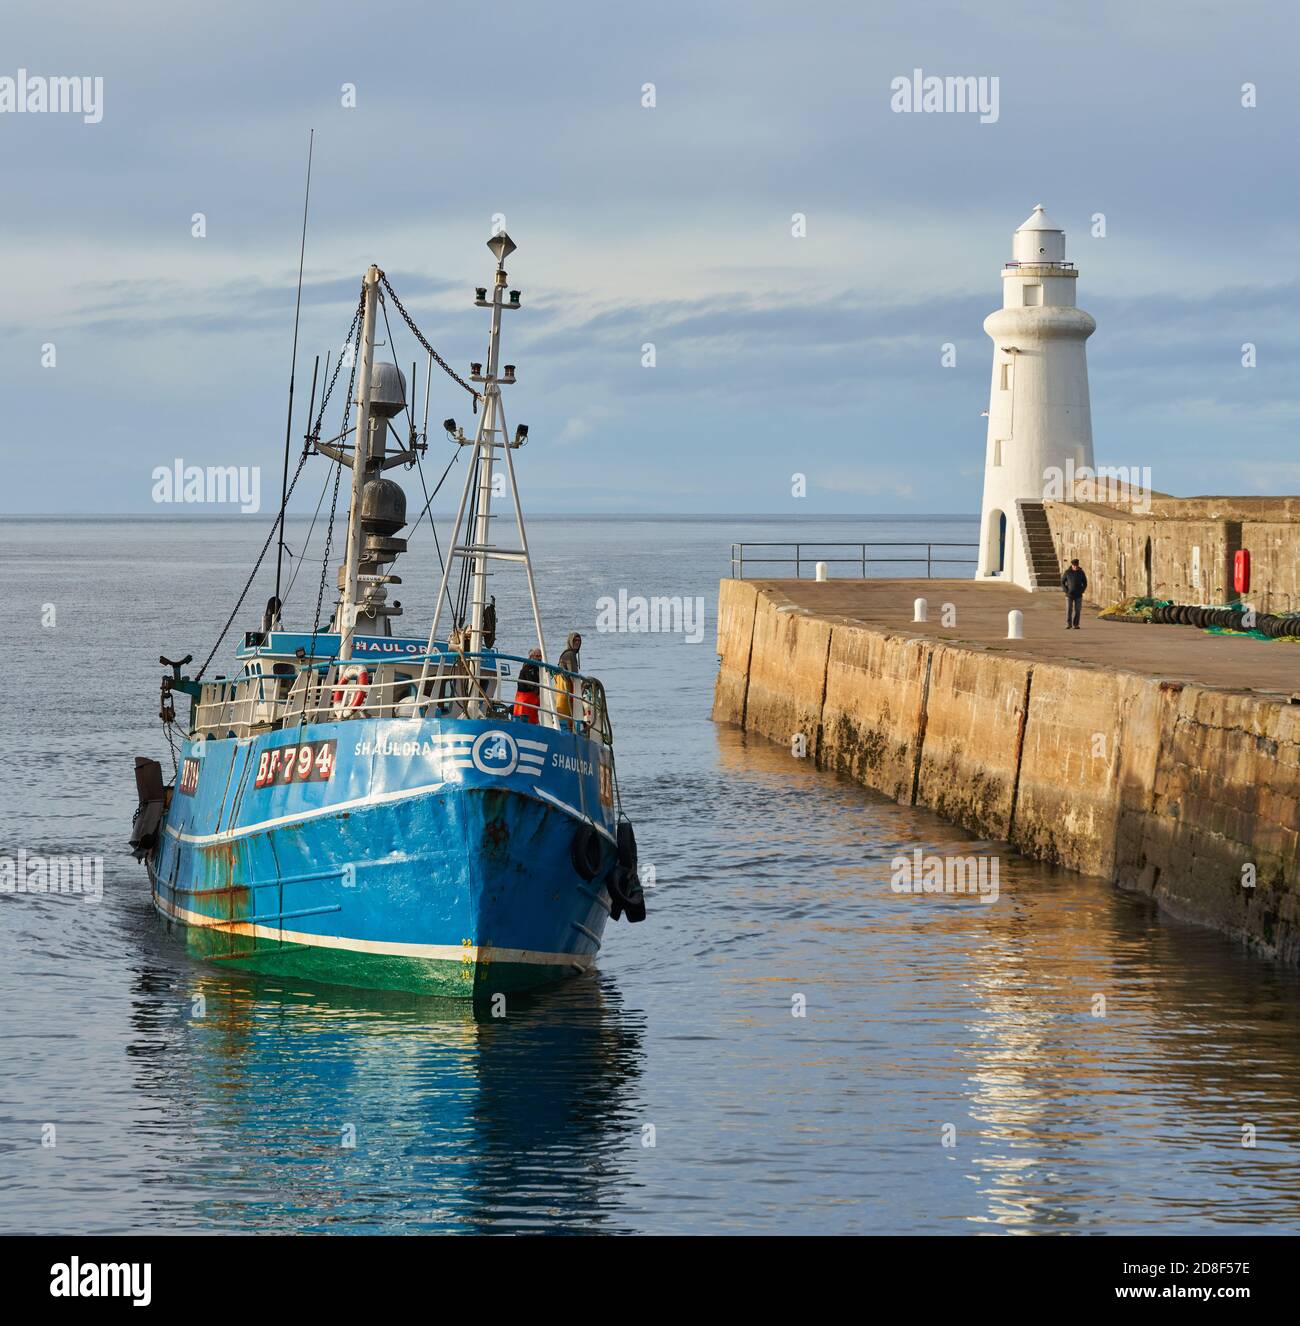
[(1159, 757)]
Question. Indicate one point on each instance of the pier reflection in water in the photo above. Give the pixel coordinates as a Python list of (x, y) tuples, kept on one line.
[(1099, 1063), (772, 881)]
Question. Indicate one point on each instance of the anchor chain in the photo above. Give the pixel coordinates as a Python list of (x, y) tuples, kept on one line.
[(432, 353)]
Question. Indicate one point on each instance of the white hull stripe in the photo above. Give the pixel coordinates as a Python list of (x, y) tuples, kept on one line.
[(439, 952), (372, 799)]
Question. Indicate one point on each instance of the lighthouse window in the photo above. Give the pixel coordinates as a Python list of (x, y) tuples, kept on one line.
[(1006, 375), (1033, 296), (997, 451)]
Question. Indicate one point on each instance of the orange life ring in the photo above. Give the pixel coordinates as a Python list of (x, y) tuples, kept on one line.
[(355, 680)]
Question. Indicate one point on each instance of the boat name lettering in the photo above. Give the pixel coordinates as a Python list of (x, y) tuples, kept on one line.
[(404, 748), (360, 646), (571, 764), (311, 762)]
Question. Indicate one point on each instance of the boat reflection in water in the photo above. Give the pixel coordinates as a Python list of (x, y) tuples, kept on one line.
[(364, 1111)]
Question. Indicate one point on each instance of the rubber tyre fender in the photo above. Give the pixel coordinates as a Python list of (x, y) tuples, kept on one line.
[(626, 844), (586, 852), (629, 883)]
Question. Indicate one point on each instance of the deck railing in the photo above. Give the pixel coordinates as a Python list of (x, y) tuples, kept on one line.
[(800, 558), (454, 685)]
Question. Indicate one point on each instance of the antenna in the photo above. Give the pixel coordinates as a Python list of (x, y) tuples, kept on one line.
[(293, 369)]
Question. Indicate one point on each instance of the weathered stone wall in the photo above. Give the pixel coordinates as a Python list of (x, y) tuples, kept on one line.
[(735, 636), (1274, 564), (1167, 789), (1113, 549), (1112, 545)]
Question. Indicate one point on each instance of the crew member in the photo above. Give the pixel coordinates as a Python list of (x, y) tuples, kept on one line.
[(570, 662), (526, 689)]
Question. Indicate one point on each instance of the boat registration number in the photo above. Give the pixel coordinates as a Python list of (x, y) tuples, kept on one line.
[(312, 762)]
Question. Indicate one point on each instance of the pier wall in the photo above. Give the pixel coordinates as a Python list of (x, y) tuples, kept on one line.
[(1165, 788), (1116, 547)]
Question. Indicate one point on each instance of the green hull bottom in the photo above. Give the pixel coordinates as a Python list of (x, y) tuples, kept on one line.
[(469, 978)]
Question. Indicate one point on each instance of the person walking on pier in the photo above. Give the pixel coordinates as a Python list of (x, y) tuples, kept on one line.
[(1074, 582)]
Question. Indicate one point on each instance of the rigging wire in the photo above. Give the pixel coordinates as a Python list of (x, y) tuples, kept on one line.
[(357, 324), (239, 603), (302, 558), (410, 419), (312, 438), (428, 502), (293, 369)]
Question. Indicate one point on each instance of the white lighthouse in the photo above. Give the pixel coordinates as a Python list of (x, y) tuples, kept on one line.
[(1039, 417)]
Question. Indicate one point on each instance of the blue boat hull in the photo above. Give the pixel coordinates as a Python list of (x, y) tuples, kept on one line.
[(412, 854)]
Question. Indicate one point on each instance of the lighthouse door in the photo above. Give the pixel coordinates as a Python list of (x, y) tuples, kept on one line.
[(1002, 542)]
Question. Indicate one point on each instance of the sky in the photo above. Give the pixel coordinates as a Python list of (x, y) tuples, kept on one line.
[(674, 225)]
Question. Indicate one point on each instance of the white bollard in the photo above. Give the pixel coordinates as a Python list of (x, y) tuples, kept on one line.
[(919, 611), (821, 570), (1015, 624)]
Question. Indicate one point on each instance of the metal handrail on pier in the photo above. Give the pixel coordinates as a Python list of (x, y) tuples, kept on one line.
[(739, 557)]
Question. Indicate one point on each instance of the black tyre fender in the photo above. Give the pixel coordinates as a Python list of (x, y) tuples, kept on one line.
[(586, 852), (626, 844), (631, 897)]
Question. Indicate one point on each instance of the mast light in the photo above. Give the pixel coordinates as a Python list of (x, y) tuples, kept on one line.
[(502, 246)]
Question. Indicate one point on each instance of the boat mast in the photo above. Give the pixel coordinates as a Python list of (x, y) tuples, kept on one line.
[(477, 545), (347, 609)]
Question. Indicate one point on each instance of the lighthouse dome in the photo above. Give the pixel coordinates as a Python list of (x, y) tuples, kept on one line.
[(1038, 239)]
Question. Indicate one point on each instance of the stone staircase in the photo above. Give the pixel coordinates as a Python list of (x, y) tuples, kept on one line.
[(1044, 569)]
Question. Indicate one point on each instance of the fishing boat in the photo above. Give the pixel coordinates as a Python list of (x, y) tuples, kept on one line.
[(360, 807)]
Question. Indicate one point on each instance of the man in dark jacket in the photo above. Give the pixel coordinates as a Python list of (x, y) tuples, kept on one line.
[(1074, 582)]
